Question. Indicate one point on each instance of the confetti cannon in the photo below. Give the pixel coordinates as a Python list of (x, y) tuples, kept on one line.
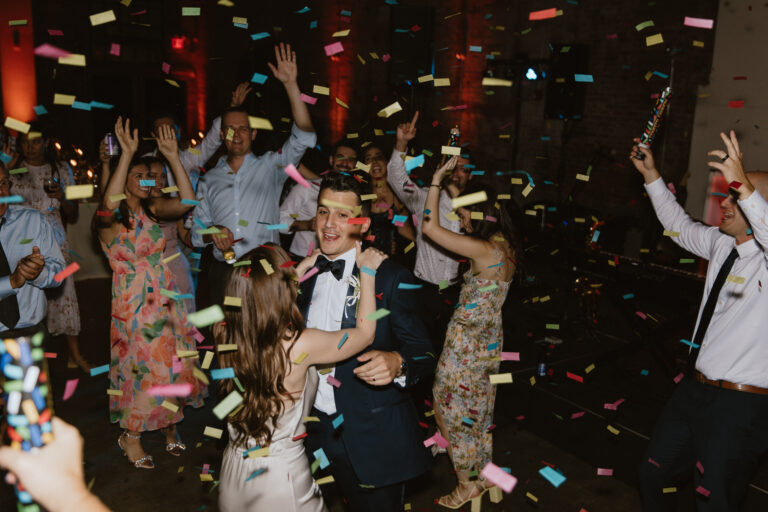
[(28, 400), (652, 127)]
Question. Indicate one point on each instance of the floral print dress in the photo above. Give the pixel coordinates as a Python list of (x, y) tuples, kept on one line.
[(63, 312), (147, 331), (462, 390)]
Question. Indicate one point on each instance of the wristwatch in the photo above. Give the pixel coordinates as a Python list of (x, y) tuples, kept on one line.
[(403, 368)]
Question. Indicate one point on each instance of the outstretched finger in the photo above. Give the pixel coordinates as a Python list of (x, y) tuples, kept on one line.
[(415, 118), (735, 143), (277, 54)]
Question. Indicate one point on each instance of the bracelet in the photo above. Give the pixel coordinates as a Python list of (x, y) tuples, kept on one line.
[(438, 186), (368, 270)]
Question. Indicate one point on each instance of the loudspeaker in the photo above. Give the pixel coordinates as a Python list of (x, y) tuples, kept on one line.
[(566, 96)]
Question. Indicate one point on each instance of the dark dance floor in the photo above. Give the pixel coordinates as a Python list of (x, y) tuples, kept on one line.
[(633, 359)]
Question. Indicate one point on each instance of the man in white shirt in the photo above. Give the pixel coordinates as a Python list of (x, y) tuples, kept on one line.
[(298, 209), (435, 268), (716, 422), (367, 424)]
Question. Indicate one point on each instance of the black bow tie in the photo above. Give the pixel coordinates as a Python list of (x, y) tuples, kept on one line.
[(336, 267)]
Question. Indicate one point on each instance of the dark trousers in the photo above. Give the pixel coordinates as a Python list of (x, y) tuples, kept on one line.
[(437, 308), (218, 273), (322, 435), (724, 430)]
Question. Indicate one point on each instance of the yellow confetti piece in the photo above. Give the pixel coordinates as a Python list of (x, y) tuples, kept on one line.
[(180, 470), (450, 150), (361, 59), (325, 480), (668, 490), (579, 220), (226, 347), (654, 39), (516, 181), (341, 33), (589, 368), (102, 17), (501, 378), (216, 433), (407, 506), (441, 82), (63, 99), (353, 135), (333, 204), (301, 358), (495, 82), (116, 198), (532, 380), (531, 497), (698, 44), (368, 197), (671, 233), (378, 132), (171, 258), (306, 419), (74, 59), (476, 215), (735, 279), (172, 82), (527, 190), (452, 217), (429, 413), (168, 190), (391, 109), (613, 430), (79, 191), (233, 301), (582, 177), (342, 103), (259, 123), (206, 477), (239, 20), (15, 124), (207, 359), (261, 452), (183, 354), (501, 197), (409, 247), (170, 406), (319, 89), (425, 78), (199, 375), (114, 392), (363, 167), (267, 267), (469, 199)]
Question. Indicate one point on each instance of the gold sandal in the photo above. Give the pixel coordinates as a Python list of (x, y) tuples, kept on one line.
[(144, 462), (493, 490), (175, 448), (459, 497)]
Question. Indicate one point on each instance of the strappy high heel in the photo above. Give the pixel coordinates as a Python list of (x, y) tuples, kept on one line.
[(144, 462), (464, 492), (175, 448), (493, 490)]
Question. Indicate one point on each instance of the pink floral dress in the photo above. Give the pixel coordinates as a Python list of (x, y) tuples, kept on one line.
[(462, 391), (147, 330)]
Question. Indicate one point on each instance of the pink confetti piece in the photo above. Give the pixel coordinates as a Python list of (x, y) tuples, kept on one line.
[(489, 218), (415, 219), (114, 49), (520, 418), (542, 15), (510, 356), (436, 439), (50, 52), (166, 68), (386, 57), (671, 187), (334, 48), (654, 463), (700, 467), (306, 98), (311, 248), (295, 175), (308, 274), (176, 365), (604, 472), (139, 13), (679, 377), (698, 22), (577, 415), (206, 468), (612, 36), (71, 269), (184, 389), (69, 388), (610, 407), (55, 32), (197, 335), (499, 477), (736, 104), (641, 314), (701, 490), (333, 381)]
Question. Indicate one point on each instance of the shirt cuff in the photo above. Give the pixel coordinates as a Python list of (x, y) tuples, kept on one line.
[(6, 290), (754, 203), (656, 187), (400, 381)]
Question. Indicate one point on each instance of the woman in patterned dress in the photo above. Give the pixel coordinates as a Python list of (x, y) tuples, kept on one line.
[(42, 187), (463, 394), (149, 328)]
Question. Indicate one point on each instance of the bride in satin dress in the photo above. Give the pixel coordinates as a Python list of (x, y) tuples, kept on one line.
[(264, 466)]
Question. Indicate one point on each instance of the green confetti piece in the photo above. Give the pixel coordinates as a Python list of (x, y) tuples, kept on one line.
[(213, 230), (427, 152), (687, 260), (241, 263), (227, 405), (553, 327), (169, 293), (242, 222), (444, 284), (378, 314), (25, 241), (20, 170), (206, 316)]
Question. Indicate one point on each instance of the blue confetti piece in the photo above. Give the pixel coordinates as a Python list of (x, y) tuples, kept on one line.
[(628, 296), (399, 218), (476, 49), (312, 24), (689, 343), (5, 158), (471, 305), (320, 455), (241, 25), (258, 78), (272, 227), (661, 75), (200, 223), (80, 105), (477, 173), (493, 346), (552, 208), (11, 199), (749, 231), (468, 421), (99, 370), (555, 478), (249, 450), (255, 474), (391, 2), (389, 132), (414, 162), (343, 340), (303, 10), (223, 373), (40, 110), (583, 78), (596, 236), (345, 12), (644, 373), (409, 286), (496, 265), (545, 138), (147, 183), (427, 211), (98, 104), (337, 421), (260, 35), (192, 202)]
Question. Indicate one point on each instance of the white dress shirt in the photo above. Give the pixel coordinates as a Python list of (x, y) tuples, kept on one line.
[(735, 346), (301, 202), (326, 310), (433, 263)]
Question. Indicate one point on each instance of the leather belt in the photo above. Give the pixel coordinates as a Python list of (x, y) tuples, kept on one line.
[(724, 384)]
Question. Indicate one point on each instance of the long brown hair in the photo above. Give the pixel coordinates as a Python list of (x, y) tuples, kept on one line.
[(267, 317)]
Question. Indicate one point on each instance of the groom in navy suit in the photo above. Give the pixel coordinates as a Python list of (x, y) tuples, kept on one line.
[(368, 428)]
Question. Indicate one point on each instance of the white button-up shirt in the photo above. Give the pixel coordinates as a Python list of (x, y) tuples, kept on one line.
[(735, 346), (301, 204), (247, 201), (433, 263)]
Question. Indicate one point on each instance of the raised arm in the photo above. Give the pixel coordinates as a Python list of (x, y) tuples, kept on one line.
[(397, 177), (466, 246), (286, 71), (325, 347), (129, 143), (165, 207), (683, 230)]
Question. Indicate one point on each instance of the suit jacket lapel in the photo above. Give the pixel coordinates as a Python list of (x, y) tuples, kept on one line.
[(349, 320), (307, 288)]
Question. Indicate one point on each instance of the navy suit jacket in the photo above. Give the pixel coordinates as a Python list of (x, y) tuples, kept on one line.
[(380, 431)]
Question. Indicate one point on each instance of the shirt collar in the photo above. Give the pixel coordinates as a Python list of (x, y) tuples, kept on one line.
[(747, 248)]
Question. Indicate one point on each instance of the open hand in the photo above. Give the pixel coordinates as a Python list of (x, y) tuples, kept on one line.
[(440, 172), (286, 70), (167, 142), (645, 165), (730, 163), (129, 142), (239, 94), (370, 257)]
